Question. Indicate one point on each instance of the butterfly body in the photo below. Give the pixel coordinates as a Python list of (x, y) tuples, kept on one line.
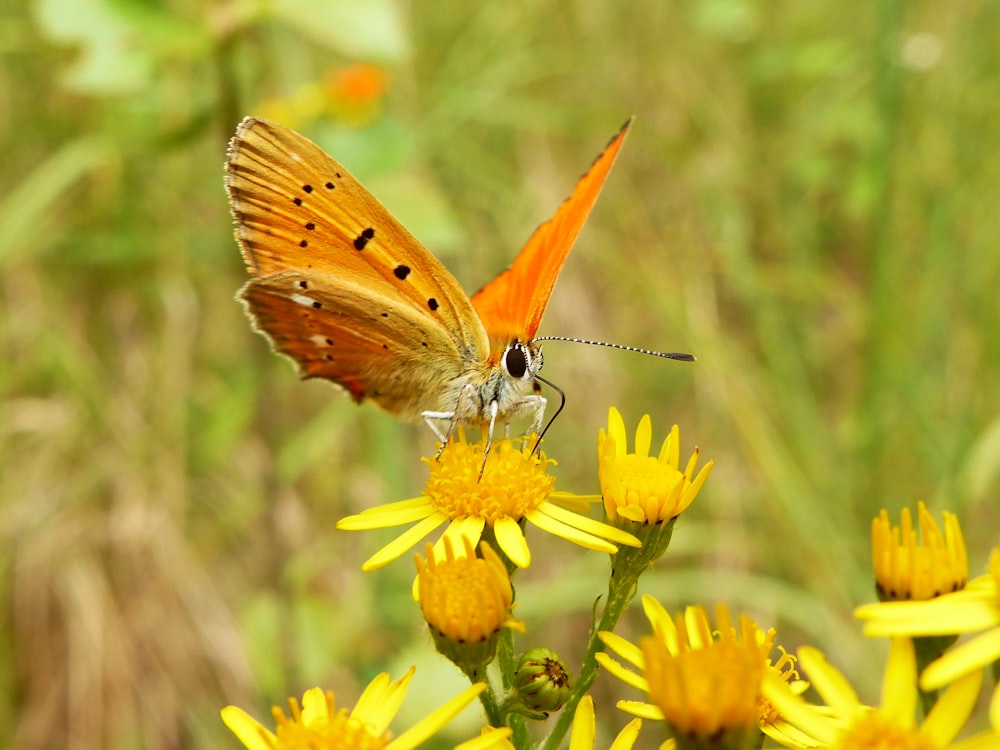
[(342, 289)]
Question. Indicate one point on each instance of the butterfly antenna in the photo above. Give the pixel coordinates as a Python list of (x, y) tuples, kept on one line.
[(665, 355), (562, 405)]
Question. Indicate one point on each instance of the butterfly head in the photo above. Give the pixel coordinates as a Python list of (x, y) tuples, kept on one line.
[(521, 361)]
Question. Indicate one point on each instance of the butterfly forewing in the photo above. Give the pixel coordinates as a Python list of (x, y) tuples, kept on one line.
[(512, 304), (338, 284), (297, 208)]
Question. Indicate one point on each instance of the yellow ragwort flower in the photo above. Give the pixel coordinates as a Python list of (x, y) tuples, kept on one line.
[(847, 724), (465, 601), (640, 487), (319, 725), (907, 567), (975, 609), (703, 682), (513, 488), (706, 687), (698, 632)]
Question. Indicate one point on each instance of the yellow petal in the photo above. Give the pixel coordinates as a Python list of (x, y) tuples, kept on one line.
[(584, 725), (946, 615), (314, 707), (640, 709), (403, 543), (512, 542), (621, 672), (836, 692), (899, 696), (795, 710), (627, 737), (490, 739), (644, 436), (384, 516), (552, 526), (623, 647), (423, 729), (248, 730), (369, 708), (588, 525), (952, 709), (616, 431), (971, 655)]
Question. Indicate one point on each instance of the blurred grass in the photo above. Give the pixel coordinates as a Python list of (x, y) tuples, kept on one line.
[(807, 201)]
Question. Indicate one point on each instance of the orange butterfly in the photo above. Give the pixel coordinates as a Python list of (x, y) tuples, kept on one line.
[(341, 288)]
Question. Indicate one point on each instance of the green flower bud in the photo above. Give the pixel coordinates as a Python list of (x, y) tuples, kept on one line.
[(541, 680)]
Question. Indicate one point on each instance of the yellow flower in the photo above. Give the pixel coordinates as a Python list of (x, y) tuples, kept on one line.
[(697, 632), (704, 683), (465, 601), (639, 487), (318, 725), (706, 688), (513, 488), (845, 723), (644, 495), (905, 568), (975, 608)]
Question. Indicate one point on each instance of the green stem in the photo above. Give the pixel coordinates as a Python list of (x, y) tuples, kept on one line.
[(507, 661), (491, 707), (621, 591)]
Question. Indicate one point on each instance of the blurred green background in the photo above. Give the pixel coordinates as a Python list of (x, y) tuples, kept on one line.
[(809, 201)]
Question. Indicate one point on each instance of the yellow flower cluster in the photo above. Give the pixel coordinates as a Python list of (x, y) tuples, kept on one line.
[(716, 682)]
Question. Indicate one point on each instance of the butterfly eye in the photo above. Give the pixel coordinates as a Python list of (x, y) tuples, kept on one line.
[(515, 360)]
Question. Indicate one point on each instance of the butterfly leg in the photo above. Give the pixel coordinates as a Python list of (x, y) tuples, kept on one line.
[(430, 418), (536, 405), (494, 410), (451, 416)]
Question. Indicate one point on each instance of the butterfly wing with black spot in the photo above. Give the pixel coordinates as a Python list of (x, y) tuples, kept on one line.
[(394, 313)]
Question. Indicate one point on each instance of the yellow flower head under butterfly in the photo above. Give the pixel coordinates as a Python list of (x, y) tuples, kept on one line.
[(514, 488)]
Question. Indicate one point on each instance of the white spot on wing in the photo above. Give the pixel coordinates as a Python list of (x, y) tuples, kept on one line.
[(303, 300), (318, 340)]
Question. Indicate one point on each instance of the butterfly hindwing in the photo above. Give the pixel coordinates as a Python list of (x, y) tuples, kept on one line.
[(373, 344), (512, 304)]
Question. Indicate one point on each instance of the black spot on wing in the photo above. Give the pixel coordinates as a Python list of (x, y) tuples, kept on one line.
[(307, 188), (432, 304), (297, 201), (330, 185), (401, 272), (310, 226), (303, 243), (303, 284), (362, 239)]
